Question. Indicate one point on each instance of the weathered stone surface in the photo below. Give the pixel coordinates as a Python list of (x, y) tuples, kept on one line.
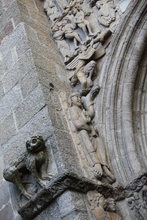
[(40, 125), (1, 170), (7, 212), (55, 188), (5, 195), (29, 107), (31, 76), (11, 100), (7, 129)]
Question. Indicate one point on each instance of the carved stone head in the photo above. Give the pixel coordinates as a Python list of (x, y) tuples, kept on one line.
[(97, 200), (35, 144), (110, 205), (76, 99)]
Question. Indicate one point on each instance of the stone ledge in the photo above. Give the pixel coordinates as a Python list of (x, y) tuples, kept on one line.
[(57, 186), (72, 182)]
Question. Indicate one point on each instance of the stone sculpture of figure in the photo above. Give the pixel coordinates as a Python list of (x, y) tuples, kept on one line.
[(35, 161), (69, 33), (106, 12), (103, 209), (51, 10), (85, 69), (81, 22), (62, 45), (84, 73), (89, 139), (88, 101)]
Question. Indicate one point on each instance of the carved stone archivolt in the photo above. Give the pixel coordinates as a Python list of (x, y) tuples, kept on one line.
[(85, 44), (82, 43)]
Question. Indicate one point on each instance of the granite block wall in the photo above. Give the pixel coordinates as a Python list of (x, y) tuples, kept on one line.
[(29, 64)]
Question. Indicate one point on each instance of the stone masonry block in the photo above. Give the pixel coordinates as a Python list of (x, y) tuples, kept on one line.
[(40, 124), (29, 82), (12, 13), (29, 3), (70, 201), (31, 33), (45, 64), (1, 89), (6, 3), (30, 106), (11, 100), (7, 129), (23, 66), (7, 213), (17, 37), (1, 170), (4, 194), (76, 215), (7, 30)]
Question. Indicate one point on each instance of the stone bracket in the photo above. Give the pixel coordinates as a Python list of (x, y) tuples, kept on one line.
[(57, 186)]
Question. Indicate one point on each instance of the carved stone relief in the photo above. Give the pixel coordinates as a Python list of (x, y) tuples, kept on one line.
[(34, 163), (138, 203), (101, 207), (82, 43)]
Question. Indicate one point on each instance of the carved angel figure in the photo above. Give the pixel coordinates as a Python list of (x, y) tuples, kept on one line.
[(35, 161)]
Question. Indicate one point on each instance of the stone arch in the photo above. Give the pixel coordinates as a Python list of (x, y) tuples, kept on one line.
[(119, 96)]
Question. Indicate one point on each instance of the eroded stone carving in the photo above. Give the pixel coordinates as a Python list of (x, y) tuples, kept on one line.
[(35, 160), (106, 12), (58, 185), (81, 44), (88, 135), (51, 10), (102, 208), (138, 203), (81, 22)]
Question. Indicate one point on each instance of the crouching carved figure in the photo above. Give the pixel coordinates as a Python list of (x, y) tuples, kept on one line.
[(35, 161)]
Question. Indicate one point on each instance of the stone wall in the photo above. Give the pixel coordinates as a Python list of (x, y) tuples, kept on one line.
[(29, 64), (32, 75)]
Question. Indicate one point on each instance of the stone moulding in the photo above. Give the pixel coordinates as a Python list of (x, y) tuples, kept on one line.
[(71, 181)]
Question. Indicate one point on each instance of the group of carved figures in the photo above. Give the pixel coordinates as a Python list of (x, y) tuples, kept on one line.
[(82, 60), (69, 22), (81, 47)]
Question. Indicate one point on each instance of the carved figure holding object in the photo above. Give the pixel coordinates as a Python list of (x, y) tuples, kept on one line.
[(35, 160)]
